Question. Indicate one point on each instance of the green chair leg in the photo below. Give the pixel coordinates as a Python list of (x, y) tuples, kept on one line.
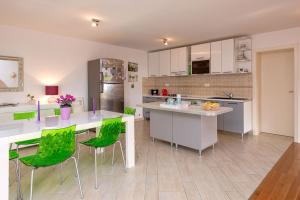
[(96, 170)]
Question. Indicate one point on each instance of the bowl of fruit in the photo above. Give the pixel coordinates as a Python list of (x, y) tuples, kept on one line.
[(210, 106)]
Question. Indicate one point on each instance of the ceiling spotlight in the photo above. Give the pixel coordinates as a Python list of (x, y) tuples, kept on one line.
[(95, 22), (165, 41)]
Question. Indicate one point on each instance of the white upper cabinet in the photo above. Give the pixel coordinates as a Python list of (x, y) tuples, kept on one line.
[(216, 57), (165, 63), (179, 61), (200, 52), (153, 64), (228, 56)]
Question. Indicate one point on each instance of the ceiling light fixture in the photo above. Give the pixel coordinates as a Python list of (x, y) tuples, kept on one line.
[(165, 41), (95, 22)]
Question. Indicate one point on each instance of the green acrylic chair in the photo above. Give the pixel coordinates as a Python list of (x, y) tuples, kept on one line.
[(108, 135), (128, 111), (22, 116), (56, 146), (57, 111)]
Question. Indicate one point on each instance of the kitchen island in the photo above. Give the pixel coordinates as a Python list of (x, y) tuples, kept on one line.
[(189, 126)]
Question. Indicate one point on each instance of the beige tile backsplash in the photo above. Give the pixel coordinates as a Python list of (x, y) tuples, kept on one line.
[(202, 85)]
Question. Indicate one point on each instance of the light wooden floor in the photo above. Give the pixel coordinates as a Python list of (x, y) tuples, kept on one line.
[(232, 171)]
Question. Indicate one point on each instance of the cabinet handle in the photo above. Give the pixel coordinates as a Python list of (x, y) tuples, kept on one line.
[(227, 72), (232, 103)]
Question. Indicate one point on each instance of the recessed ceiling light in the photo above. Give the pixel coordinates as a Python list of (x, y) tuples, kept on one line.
[(95, 22), (165, 41)]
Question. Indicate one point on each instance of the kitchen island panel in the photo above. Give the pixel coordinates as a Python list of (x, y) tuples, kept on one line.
[(196, 132), (187, 130), (161, 125)]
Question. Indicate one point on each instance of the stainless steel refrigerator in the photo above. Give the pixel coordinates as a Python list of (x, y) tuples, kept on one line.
[(106, 84)]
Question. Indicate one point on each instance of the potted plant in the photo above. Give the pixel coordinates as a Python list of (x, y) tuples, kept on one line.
[(65, 103)]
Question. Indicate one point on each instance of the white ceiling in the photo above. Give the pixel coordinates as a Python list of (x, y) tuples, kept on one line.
[(141, 23)]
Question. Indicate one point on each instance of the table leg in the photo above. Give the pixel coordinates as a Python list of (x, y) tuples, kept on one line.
[(130, 143), (4, 168)]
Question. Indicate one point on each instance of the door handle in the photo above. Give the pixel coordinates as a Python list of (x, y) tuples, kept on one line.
[(291, 91)]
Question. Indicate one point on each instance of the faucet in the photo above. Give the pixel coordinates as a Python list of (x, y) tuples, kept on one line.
[(229, 94)]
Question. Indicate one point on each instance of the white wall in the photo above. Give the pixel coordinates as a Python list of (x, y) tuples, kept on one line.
[(53, 59), (289, 38)]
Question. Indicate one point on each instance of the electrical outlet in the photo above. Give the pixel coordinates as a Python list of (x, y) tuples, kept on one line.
[(167, 84), (206, 84)]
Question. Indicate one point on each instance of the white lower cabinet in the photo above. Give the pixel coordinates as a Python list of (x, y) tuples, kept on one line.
[(237, 121)]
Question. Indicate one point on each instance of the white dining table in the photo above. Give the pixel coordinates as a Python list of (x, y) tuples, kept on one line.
[(13, 131)]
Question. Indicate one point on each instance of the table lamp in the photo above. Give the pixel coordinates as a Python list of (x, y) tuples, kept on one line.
[(52, 91)]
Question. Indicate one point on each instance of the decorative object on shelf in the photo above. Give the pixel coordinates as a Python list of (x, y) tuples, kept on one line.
[(164, 92), (243, 54), (11, 74), (31, 99), (65, 105), (52, 92)]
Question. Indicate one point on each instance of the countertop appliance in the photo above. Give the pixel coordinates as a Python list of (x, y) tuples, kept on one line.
[(106, 84), (164, 92), (201, 67), (154, 91)]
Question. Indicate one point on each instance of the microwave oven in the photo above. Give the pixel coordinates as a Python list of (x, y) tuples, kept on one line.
[(200, 67)]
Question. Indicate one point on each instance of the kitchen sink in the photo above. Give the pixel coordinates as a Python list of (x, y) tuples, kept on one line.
[(228, 98)]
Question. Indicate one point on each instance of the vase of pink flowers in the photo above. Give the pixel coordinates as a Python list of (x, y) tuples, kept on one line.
[(65, 103)]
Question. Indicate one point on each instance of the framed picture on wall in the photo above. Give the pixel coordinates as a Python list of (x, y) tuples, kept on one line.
[(132, 72)]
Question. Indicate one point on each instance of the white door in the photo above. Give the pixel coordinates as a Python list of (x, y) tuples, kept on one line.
[(153, 64), (165, 63), (228, 56), (216, 57), (277, 92)]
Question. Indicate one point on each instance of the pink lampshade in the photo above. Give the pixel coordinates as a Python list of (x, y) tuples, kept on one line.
[(51, 90)]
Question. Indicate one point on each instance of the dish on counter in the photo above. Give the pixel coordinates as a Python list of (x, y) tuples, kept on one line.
[(210, 106)]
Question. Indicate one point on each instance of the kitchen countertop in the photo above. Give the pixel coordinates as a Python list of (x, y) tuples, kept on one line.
[(208, 98), (192, 109)]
